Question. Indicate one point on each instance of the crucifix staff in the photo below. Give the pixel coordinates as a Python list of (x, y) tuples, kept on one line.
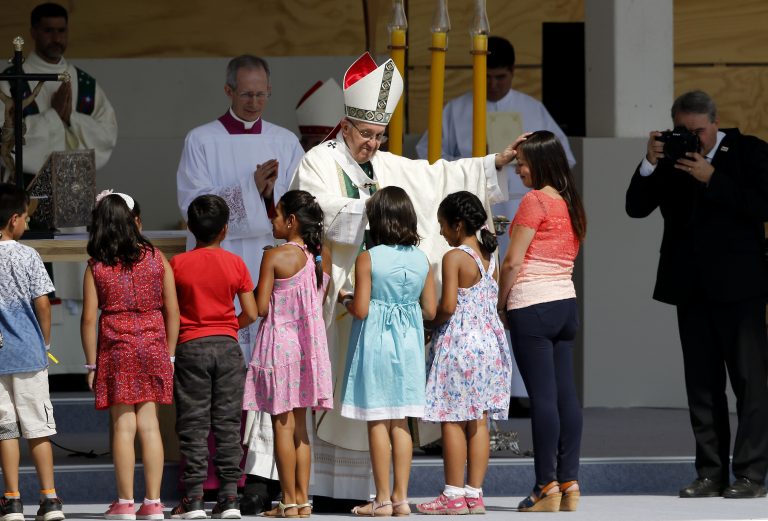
[(16, 79)]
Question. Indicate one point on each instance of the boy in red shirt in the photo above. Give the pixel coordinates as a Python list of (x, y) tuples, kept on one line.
[(210, 370)]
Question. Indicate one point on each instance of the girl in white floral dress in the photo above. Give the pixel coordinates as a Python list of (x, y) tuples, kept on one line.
[(470, 375)]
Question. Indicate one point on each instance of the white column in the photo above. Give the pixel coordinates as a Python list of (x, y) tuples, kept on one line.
[(629, 60), (631, 350)]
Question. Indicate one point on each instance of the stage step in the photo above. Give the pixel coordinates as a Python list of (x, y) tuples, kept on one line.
[(95, 483), (645, 439)]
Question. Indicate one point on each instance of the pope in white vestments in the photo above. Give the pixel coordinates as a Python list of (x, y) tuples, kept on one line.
[(247, 161), (342, 173)]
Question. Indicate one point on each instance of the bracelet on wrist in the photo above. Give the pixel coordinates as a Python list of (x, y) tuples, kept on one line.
[(90, 367), (173, 359)]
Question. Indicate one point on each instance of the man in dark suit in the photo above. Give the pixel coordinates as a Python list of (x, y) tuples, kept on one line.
[(712, 267)]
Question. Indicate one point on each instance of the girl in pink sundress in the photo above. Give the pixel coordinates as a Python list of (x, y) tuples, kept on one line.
[(470, 376), (290, 369)]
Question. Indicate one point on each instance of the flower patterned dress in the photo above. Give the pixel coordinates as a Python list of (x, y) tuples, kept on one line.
[(132, 363), (290, 367), (470, 363)]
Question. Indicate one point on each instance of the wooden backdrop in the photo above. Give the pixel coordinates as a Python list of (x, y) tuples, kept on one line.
[(721, 47)]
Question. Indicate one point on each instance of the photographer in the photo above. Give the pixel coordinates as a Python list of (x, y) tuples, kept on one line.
[(714, 202)]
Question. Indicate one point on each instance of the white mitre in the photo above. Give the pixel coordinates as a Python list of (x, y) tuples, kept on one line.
[(371, 93), (320, 109)]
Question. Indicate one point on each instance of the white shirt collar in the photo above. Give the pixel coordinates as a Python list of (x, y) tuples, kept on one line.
[(711, 154), (247, 124)]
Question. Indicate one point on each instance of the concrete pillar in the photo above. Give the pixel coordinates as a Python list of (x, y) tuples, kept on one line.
[(629, 60), (631, 353)]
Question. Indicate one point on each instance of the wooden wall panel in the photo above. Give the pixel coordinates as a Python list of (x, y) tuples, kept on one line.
[(457, 82), (199, 28), (741, 94), (196, 28), (713, 31)]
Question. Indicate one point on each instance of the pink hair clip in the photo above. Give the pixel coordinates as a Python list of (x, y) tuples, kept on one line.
[(101, 195)]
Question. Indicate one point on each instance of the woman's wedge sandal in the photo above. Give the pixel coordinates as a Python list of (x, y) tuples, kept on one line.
[(571, 496), (542, 499)]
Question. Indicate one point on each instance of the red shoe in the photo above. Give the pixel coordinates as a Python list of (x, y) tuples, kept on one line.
[(475, 504), (444, 505), (120, 511), (150, 511)]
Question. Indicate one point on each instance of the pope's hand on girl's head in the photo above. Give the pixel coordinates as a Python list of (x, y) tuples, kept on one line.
[(510, 152)]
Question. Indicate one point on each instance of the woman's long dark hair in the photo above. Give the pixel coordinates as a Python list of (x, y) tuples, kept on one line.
[(549, 166), (392, 218), (308, 213), (114, 238), (466, 207)]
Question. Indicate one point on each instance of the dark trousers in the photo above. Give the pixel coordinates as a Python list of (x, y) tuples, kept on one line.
[(720, 337), (542, 340), (208, 387)]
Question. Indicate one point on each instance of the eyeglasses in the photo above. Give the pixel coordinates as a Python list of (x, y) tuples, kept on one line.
[(253, 95), (368, 135)]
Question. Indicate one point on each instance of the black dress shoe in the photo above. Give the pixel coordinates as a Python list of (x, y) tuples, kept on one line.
[(744, 488), (702, 487)]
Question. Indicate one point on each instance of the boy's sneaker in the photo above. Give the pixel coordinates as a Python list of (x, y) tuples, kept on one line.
[(444, 505), (119, 511), (475, 505), (150, 511), (11, 509), (226, 508), (50, 510), (189, 508)]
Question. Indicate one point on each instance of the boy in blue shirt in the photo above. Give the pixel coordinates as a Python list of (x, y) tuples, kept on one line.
[(25, 328)]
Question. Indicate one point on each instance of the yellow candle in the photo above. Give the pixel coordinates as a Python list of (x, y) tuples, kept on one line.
[(436, 94), (396, 124), (479, 79)]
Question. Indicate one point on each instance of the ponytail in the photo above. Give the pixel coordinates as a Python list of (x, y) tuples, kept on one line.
[(309, 215), (488, 239)]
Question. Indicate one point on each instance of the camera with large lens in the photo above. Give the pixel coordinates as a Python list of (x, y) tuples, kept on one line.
[(677, 143)]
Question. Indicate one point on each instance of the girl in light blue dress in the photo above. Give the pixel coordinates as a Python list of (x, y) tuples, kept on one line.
[(385, 375)]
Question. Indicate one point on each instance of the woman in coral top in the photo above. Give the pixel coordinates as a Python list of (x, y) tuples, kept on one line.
[(538, 300)]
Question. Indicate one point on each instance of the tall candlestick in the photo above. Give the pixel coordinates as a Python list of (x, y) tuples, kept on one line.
[(397, 44), (440, 27), (479, 32)]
